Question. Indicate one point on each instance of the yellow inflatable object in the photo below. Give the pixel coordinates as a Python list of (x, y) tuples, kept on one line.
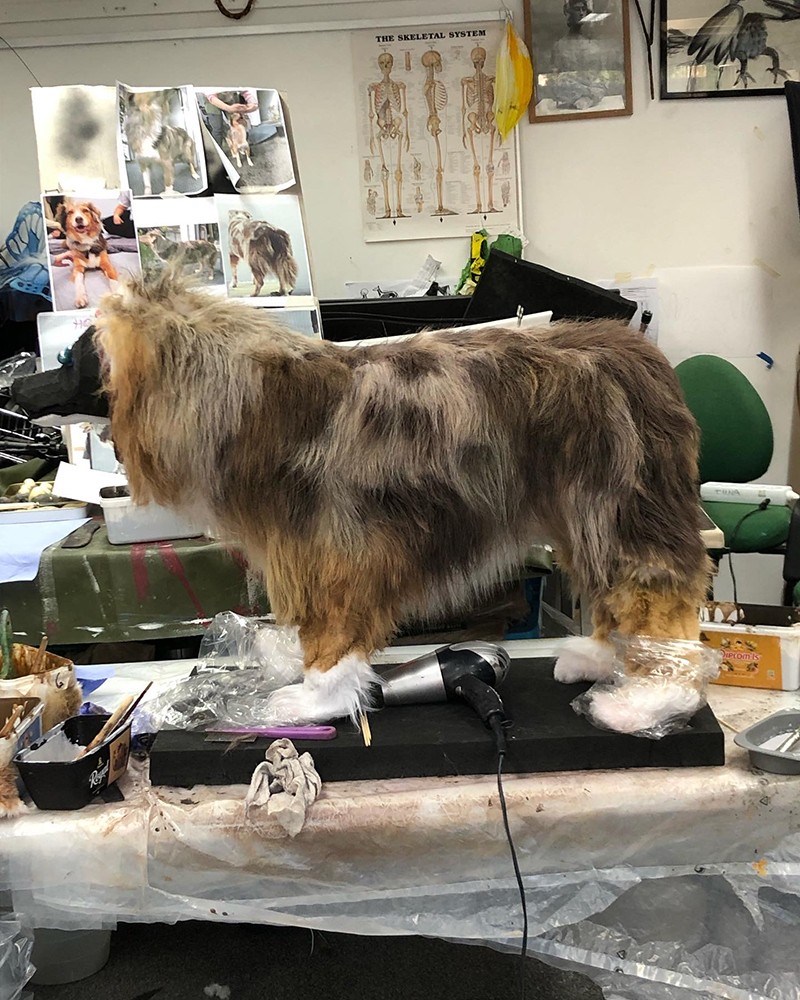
[(513, 83)]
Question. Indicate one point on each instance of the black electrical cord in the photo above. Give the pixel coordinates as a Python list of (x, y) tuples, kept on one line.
[(486, 703), (762, 506)]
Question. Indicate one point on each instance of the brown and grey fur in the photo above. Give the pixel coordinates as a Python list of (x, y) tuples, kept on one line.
[(267, 250), (376, 483)]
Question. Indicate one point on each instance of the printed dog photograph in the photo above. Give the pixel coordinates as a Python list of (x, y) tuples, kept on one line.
[(263, 246), (91, 243), (76, 138), (194, 250), (248, 126), (160, 144)]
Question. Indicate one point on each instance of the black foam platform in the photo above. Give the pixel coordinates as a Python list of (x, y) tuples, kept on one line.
[(447, 739)]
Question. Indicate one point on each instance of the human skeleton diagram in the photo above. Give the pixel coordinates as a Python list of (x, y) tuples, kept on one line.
[(372, 201), (477, 121), (505, 191), (388, 127), (419, 200), (416, 167), (368, 174), (436, 101)]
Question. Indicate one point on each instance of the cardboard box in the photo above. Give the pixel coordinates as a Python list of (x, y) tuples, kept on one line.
[(760, 644)]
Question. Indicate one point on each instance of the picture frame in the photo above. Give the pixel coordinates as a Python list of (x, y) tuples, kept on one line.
[(581, 54), (698, 54)]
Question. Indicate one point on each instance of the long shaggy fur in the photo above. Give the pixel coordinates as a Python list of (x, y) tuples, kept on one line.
[(267, 250), (377, 483)]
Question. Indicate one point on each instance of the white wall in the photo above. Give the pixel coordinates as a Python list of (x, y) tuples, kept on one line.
[(679, 187)]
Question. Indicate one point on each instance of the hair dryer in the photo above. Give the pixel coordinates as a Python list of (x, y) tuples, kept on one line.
[(462, 671), (436, 676)]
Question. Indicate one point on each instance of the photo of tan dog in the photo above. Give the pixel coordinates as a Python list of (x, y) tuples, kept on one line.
[(153, 140), (373, 484), (266, 249), (237, 138), (87, 247)]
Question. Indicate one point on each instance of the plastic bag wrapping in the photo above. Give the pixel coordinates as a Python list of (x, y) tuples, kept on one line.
[(15, 953), (15, 367), (233, 642), (241, 662), (655, 688)]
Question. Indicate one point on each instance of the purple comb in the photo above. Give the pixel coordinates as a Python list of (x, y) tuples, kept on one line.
[(280, 732)]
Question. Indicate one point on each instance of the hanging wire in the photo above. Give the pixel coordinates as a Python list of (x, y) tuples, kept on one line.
[(649, 32), (235, 15), (9, 46)]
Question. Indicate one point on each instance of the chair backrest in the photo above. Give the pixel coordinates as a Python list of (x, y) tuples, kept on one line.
[(736, 440)]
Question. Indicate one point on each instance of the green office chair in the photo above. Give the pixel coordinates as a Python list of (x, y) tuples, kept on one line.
[(736, 445)]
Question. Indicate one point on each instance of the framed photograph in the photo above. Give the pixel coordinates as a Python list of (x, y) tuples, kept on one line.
[(581, 57), (710, 48)]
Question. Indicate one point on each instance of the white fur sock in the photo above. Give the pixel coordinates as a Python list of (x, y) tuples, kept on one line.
[(642, 703), (584, 659), (344, 690)]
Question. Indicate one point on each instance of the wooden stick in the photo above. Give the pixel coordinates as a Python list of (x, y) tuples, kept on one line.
[(110, 724), (38, 663), (366, 732), (123, 711), (8, 726)]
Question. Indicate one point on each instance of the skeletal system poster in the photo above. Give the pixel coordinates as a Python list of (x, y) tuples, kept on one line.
[(431, 162)]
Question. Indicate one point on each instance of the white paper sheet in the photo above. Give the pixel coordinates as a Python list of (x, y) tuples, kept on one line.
[(74, 483)]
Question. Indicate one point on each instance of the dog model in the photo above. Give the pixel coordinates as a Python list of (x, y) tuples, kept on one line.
[(236, 138), (152, 139), (202, 253), (267, 250), (377, 483), (87, 247)]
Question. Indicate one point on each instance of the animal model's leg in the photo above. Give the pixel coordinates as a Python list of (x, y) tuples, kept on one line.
[(345, 614)]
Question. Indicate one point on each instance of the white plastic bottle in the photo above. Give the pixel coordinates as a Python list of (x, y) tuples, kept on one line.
[(749, 493)]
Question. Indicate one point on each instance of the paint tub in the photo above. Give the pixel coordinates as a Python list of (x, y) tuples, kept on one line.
[(765, 739), (55, 779), (128, 523)]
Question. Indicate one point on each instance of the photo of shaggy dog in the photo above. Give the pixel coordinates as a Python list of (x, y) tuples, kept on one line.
[(87, 246), (154, 141), (266, 249), (198, 257), (374, 484)]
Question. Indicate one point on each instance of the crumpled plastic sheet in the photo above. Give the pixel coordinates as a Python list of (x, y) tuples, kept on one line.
[(671, 885), (15, 953), (240, 663)]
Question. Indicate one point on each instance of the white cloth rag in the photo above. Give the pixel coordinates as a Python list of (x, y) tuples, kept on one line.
[(287, 783)]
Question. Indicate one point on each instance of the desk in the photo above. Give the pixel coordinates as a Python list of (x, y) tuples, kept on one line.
[(674, 878), (120, 593)]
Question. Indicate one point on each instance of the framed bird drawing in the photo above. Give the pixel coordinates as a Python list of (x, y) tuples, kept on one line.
[(743, 48)]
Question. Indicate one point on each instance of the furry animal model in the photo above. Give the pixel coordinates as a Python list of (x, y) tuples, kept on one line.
[(203, 253), (87, 247), (236, 138), (152, 139), (267, 250), (376, 483)]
